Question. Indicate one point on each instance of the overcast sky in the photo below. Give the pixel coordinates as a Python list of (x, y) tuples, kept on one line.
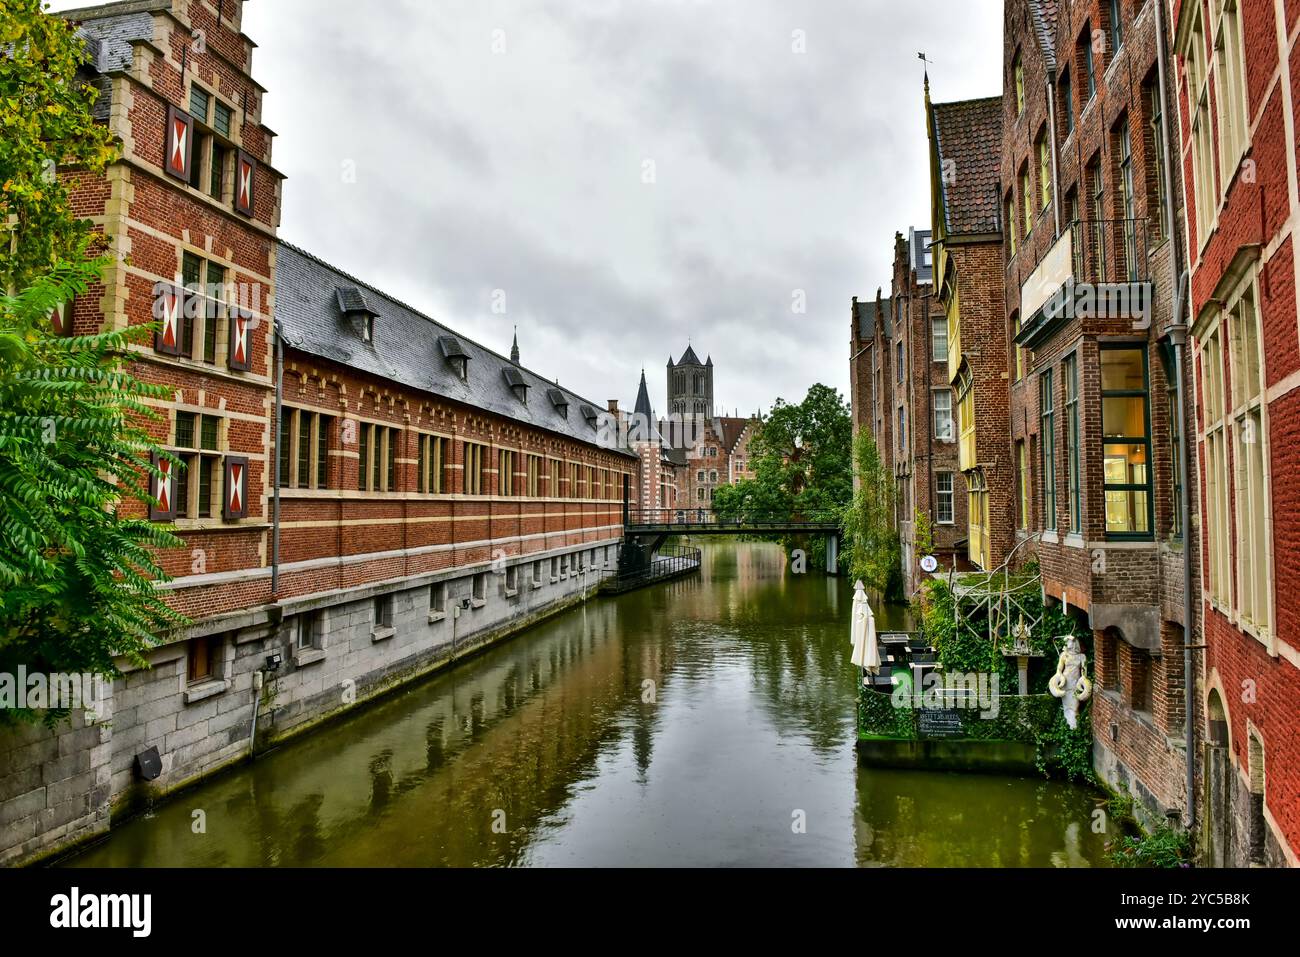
[(506, 145)]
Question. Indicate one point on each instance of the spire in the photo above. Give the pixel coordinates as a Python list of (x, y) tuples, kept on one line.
[(514, 348), (642, 406)]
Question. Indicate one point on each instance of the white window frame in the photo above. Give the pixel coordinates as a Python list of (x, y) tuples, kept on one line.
[(939, 434), (941, 494), (1247, 413)]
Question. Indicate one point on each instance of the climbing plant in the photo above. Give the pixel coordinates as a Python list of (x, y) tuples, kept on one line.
[(873, 550), (957, 623)]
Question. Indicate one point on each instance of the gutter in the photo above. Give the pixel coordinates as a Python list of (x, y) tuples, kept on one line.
[(1178, 338)]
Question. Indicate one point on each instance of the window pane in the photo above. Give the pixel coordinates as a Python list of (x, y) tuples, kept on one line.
[(304, 449), (1126, 512), (286, 437), (206, 464), (1124, 416), (199, 104), (221, 119), (185, 430), (209, 437), (1126, 464), (1122, 370), (322, 452)]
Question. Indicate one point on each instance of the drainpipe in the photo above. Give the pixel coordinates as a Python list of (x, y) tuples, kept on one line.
[(1051, 143), (275, 492), (1178, 338)]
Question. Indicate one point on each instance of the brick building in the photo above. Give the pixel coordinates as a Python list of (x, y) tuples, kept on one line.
[(656, 487), (1236, 83), (1093, 245), (432, 496), (968, 260), (871, 388), (900, 393)]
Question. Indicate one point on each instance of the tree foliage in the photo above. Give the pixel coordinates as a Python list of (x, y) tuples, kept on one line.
[(77, 578), (800, 455), (47, 132), (873, 549)]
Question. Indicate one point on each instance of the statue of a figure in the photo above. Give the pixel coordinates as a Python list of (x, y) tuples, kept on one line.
[(1070, 683)]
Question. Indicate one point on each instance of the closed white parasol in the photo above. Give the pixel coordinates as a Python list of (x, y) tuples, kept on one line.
[(862, 632)]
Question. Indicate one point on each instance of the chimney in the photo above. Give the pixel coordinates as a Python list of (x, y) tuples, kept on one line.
[(613, 406)]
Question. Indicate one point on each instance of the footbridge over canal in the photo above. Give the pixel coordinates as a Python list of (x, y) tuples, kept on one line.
[(644, 556)]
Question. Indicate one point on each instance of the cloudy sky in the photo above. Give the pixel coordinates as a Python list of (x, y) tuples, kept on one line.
[(622, 176)]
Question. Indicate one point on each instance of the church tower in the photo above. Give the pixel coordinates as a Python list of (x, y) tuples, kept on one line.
[(690, 385)]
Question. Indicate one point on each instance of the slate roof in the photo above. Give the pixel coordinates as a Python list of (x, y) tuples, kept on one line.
[(866, 315), (968, 136), (412, 349), (642, 406), (731, 429), (689, 358), (1044, 13)]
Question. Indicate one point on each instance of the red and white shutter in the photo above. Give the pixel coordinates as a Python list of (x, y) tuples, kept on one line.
[(180, 144), (240, 347), (245, 168), (61, 319), (236, 487), (169, 311), (163, 489)]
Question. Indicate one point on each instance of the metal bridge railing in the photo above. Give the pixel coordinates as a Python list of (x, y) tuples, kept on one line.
[(706, 517), (670, 560)]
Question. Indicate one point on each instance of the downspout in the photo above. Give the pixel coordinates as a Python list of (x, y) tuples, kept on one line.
[(1051, 139), (275, 492), (1178, 338)]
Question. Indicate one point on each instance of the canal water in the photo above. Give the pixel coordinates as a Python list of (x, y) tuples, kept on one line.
[(708, 721)]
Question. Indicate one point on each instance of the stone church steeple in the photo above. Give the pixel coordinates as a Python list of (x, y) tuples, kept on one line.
[(690, 385)]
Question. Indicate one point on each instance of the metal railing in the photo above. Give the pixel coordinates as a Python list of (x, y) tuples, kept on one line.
[(669, 561), (1110, 250), (706, 518)]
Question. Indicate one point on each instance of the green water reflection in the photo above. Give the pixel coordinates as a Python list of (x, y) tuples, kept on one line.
[(694, 723)]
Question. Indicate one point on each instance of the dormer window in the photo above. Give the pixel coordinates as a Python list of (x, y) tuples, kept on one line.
[(515, 380), (355, 309), (590, 414), (560, 401), (455, 355)]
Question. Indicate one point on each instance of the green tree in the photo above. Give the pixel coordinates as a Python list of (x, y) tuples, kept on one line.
[(48, 135), (77, 576), (800, 455), (873, 548)]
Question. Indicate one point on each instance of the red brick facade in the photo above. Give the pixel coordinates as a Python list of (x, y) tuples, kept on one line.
[(1237, 71)]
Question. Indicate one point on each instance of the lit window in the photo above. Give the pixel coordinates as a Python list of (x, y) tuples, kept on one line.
[(1126, 441)]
